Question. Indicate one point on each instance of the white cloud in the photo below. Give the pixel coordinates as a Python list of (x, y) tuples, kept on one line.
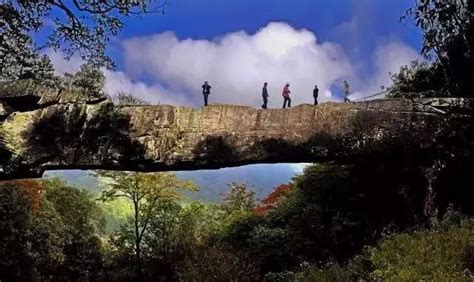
[(298, 167), (387, 58), (117, 81), (61, 65), (237, 64)]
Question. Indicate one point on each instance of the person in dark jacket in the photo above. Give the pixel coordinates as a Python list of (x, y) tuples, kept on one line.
[(206, 90), (347, 90), (315, 94), (265, 95), (286, 96)]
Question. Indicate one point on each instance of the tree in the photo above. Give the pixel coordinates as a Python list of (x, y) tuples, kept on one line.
[(271, 200), (146, 192), (78, 210), (89, 78), (448, 34), (417, 78), (239, 199), (81, 27), (19, 58), (32, 233), (83, 221), (49, 232), (442, 23)]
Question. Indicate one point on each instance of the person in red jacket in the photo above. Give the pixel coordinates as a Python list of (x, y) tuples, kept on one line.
[(286, 96)]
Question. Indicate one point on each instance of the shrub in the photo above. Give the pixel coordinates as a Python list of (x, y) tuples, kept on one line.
[(440, 254), (357, 269), (418, 77)]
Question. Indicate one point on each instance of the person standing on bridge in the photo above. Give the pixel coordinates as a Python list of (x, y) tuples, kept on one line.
[(206, 90), (345, 85), (265, 95), (315, 94), (286, 96)]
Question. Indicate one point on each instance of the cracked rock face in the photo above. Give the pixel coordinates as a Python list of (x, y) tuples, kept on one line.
[(42, 128)]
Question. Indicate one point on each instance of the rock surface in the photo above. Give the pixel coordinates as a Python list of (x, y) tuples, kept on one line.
[(26, 94), (67, 129)]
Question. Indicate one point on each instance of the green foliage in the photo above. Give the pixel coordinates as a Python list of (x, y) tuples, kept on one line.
[(83, 221), (20, 227), (89, 79), (319, 231), (77, 208), (441, 21), (19, 58), (217, 263), (441, 254), (151, 231), (127, 98), (307, 272), (239, 199), (418, 78), (80, 27), (116, 213), (448, 34), (333, 212), (48, 232), (149, 187)]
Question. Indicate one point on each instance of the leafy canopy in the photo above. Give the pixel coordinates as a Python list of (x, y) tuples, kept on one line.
[(80, 27)]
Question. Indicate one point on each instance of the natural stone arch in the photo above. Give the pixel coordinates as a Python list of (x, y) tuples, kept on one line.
[(63, 129)]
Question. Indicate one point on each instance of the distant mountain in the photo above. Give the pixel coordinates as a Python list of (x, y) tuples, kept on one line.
[(262, 178), (78, 178)]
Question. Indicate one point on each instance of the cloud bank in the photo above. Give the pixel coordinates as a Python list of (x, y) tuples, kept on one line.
[(386, 60), (237, 64)]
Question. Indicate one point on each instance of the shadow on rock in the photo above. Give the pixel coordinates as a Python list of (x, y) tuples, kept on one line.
[(73, 137), (368, 135), (217, 151)]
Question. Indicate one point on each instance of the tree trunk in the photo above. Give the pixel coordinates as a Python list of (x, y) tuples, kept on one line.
[(430, 208), (445, 66), (138, 259)]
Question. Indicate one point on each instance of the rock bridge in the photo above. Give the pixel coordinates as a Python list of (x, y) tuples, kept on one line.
[(43, 128)]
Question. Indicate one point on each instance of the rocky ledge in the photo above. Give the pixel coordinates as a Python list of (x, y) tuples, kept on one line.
[(43, 128)]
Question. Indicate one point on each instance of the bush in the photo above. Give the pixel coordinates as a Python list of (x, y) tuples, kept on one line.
[(329, 273), (357, 269), (217, 263), (126, 98), (440, 254), (419, 78)]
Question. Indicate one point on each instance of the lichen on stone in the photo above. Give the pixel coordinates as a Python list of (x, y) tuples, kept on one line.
[(11, 131)]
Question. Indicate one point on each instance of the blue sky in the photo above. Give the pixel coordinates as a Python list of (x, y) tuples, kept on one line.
[(365, 37), (377, 20)]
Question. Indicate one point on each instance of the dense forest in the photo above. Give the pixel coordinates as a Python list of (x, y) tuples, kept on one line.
[(333, 222), (389, 216)]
